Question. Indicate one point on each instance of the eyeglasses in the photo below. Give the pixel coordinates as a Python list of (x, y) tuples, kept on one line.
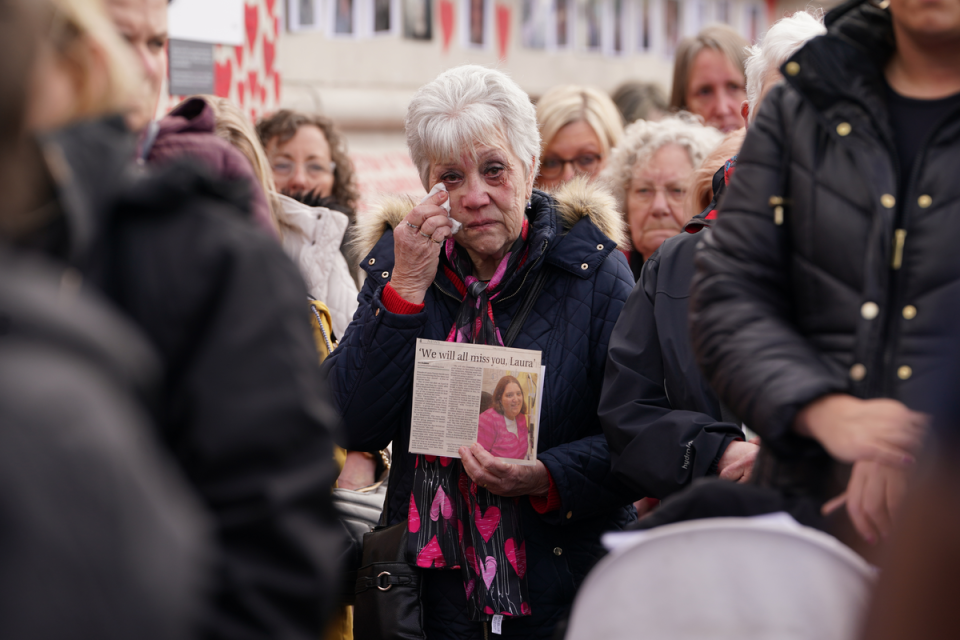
[(315, 170), (553, 167)]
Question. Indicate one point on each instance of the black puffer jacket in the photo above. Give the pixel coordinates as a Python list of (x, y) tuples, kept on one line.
[(832, 299), (243, 408)]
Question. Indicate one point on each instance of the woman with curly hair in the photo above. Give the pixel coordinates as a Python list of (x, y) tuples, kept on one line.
[(649, 174), (309, 156)]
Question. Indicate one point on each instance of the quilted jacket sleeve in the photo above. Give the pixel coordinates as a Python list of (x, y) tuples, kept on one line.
[(371, 371), (655, 449), (581, 468), (746, 344)]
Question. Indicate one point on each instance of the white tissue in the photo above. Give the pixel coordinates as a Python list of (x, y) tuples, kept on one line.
[(445, 206)]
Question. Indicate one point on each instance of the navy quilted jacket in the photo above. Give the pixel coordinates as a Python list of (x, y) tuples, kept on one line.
[(371, 373)]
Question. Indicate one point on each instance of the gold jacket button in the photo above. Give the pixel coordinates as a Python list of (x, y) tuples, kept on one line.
[(844, 129), (557, 551), (909, 312), (858, 372), (385, 274), (924, 201), (792, 68), (904, 372), (372, 261), (569, 514), (584, 266), (869, 310), (888, 201), (599, 247)]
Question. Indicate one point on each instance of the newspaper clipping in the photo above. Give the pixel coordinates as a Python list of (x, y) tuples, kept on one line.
[(465, 393)]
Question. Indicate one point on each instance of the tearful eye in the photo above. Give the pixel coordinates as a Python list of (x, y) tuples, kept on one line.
[(494, 171), (450, 178)]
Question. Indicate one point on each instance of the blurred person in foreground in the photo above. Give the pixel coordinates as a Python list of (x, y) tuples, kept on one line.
[(655, 402), (474, 130), (827, 279), (639, 101), (101, 536), (579, 127), (243, 408), (649, 175), (709, 78)]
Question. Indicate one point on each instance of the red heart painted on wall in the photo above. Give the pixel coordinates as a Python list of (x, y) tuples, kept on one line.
[(222, 76), (269, 51), (253, 85), (263, 95), (270, 7), (276, 86), (241, 93), (251, 16), (238, 51), (446, 22), (504, 14)]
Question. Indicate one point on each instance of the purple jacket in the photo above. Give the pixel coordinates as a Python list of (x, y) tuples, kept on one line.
[(188, 131)]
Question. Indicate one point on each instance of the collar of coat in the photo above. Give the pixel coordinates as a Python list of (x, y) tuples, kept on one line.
[(577, 225), (845, 67)]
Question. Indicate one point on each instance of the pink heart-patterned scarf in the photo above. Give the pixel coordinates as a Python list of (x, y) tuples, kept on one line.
[(453, 523)]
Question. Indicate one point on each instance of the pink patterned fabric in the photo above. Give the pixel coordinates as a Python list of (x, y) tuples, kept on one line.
[(494, 437)]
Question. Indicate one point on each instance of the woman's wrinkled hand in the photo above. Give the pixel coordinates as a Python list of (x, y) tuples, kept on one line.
[(416, 244), (851, 429), (502, 478), (873, 495)]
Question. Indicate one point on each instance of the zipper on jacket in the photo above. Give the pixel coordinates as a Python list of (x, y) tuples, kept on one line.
[(899, 237)]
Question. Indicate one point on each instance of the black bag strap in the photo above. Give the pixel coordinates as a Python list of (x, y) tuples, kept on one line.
[(525, 307)]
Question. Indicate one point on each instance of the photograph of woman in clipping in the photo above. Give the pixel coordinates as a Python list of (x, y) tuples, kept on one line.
[(504, 428)]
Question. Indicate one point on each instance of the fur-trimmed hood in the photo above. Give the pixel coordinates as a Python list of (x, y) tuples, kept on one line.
[(574, 201)]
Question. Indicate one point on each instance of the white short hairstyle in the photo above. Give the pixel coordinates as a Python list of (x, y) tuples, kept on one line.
[(466, 105), (644, 138), (780, 42)]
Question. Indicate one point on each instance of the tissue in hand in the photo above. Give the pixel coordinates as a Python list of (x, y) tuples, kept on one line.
[(445, 206)]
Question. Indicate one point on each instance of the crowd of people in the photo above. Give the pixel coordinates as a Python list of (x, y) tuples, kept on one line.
[(743, 299)]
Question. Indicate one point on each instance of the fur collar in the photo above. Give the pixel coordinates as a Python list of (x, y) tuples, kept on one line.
[(575, 200)]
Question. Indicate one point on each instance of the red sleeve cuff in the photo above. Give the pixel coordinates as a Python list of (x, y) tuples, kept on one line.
[(395, 304), (548, 503)]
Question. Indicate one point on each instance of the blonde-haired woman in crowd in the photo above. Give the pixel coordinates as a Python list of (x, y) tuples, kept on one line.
[(578, 128), (650, 173)]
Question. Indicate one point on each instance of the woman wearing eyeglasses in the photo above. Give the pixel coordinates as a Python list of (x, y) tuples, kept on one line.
[(578, 126), (649, 174), (308, 155), (310, 164)]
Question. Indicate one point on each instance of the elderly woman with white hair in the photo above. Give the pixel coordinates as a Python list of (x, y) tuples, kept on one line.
[(504, 539), (649, 174)]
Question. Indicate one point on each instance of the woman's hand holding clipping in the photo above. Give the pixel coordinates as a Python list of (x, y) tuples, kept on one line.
[(417, 242), (502, 478)]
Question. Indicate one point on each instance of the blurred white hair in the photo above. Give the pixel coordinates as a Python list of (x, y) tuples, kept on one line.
[(644, 138), (780, 42), (466, 105)]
